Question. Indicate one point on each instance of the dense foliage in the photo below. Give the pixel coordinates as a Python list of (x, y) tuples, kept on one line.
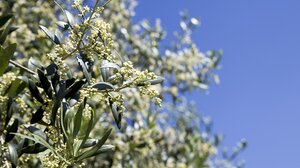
[(70, 73)]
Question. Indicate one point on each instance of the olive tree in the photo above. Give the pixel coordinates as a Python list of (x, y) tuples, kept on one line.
[(72, 73)]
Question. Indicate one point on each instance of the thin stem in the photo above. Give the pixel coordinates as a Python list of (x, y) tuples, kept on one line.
[(22, 67)]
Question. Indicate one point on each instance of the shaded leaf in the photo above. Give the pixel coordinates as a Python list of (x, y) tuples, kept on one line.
[(38, 115), (33, 149), (38, 132), (70, 82), (46, 85), (35, 92), (4, 19), (51, 69), (71, 91), (9, 111), (10, 130), (4, 33)]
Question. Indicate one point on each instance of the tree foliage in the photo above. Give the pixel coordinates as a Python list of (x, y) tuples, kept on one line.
[(71, 74)]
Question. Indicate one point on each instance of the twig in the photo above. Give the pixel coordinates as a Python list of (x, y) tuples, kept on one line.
[(22, 67)]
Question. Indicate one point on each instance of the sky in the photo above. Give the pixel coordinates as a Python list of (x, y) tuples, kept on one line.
[(258, 98)]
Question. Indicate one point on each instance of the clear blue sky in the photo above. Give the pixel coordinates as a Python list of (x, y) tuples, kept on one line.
[(259, 95)]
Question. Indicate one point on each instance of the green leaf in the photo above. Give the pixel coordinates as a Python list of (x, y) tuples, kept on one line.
[(16, 87), (152, 81), (67, 121), (99, 144), (4, 19), (78, 118), (89, 129), (5, 56), (64, 107), (4, 33), (40, 140), (103, 149), (13, 155), (102, 86)]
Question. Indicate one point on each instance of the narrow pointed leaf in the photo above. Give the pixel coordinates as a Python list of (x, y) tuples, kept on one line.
[(11, 130), (78, 118), (47, 32), (46, 85), (103, 86), (74, 89), (116, 114), (4, 19), (84, 69), (63, 25), (13, 155), (71, 18), (35, 92), (38, 115), (89, 129), (99, 144)]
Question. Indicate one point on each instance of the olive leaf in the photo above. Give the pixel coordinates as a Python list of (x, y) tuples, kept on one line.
[(13, 154), (10, 130), (38, 115), (4, 19), (78, 118), (102, 86), (94, 150), (54, 37), (5, 56)]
